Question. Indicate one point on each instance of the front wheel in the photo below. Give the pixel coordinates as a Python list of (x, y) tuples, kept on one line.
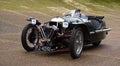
[(76, 43), (29, 37)]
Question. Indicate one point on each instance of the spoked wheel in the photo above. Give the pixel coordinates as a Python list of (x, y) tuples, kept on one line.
[(76, 43), (29, 37)]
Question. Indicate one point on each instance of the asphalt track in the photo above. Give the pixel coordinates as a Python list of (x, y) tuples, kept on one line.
[(12, 53)]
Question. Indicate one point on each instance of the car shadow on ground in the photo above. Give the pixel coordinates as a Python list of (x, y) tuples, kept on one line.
[(66, 54), (91, 47)]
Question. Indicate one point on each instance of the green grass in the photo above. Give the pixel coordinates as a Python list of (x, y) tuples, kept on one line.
[(42, 5), (107, 3), (101, 5)]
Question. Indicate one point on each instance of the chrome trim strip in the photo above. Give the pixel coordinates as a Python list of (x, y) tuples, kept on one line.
[(108, 29), (92, 32), (101, 30)]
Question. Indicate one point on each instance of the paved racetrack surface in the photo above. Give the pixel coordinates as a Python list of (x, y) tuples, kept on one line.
[(13, 54)]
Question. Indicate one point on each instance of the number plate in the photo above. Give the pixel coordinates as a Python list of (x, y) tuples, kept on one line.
[(65, 24), (33, 21)]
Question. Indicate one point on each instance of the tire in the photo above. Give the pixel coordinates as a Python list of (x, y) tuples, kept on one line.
[(95, 44), (76, 43), (27, 42)]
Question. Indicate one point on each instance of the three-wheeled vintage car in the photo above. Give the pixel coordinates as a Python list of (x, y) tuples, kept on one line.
[(64, 32)]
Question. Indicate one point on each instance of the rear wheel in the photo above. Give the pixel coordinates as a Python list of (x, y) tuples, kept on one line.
[(29, 37), (76, 43)]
